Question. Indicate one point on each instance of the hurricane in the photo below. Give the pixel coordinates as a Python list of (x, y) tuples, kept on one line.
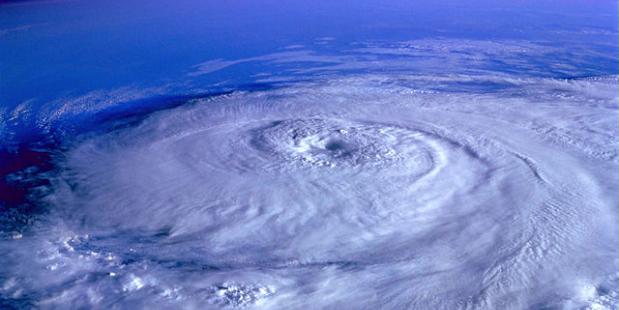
[(408, 175)]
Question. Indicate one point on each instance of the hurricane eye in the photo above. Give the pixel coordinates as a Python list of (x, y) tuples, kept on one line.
[(336, 146)]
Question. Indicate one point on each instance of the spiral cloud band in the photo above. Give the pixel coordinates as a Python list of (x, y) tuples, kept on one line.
[(338, 191)]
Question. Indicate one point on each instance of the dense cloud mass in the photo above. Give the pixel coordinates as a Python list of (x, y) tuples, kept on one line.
[(394, 191)]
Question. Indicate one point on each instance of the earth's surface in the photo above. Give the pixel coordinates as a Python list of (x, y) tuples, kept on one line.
[(308, 154)]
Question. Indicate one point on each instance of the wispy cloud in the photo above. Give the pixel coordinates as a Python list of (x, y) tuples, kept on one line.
[(280, 57), (20, 28)]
